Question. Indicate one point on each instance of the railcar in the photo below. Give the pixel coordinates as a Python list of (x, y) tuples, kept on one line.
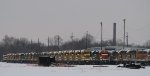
[(86, 55), (131, 55), (95, 55), (66, 55), (95, 59), (122, 56), (114, 56), (141, 56), (104, 55), (71, 55), (58, 56), (22, 56), (35, 56), (5, 58), (148, 55), (78, 55)]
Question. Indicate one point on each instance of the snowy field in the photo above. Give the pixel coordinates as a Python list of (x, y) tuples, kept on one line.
[(14, 69)]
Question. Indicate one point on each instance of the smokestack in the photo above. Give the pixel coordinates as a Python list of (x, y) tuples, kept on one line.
[(114, 34)]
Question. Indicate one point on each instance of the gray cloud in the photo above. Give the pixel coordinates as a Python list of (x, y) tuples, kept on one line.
[(43, 18)]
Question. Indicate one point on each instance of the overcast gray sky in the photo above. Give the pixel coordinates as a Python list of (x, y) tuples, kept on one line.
[(43, 18)]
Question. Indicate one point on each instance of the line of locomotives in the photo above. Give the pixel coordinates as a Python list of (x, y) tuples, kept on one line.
[(80, 57)]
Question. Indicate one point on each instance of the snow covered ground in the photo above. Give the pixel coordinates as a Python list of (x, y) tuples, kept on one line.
[(14, 69)]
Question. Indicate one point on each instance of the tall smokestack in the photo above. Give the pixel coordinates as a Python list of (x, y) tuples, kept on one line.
[(114, 34)]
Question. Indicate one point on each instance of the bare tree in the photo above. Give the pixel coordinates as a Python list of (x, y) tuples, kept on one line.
[(58, 41), (147, 44)]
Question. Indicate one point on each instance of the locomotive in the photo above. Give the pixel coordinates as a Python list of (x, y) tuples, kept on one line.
[(86, 56)]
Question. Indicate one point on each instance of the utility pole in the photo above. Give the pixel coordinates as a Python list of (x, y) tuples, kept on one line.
[(72, 36), (101, 35), (48, 44), (31, 42), (86, 46), (38, 46), (58, 39), (31, 45), (124, 20), (127, 39), (114, 34), (38, 42), (72, 40)]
